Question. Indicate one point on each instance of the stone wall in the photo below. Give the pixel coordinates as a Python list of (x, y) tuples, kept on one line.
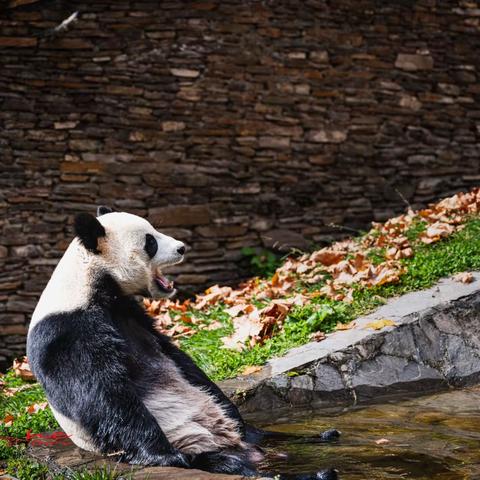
[(227, 123)]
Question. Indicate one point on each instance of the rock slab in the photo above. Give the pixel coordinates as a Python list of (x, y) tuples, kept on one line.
[(434, 345)]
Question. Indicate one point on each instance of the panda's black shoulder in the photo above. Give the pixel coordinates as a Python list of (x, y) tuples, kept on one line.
[(85, 334), (72, 338)]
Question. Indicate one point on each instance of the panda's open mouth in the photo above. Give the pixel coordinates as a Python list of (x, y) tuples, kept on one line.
[(163, 283)]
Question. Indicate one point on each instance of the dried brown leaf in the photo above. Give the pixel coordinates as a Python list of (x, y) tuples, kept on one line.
[(251, 369), (21, 369), (317, 336), (465, 277)]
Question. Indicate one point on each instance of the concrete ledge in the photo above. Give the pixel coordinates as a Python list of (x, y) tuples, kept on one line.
[(434, 345)]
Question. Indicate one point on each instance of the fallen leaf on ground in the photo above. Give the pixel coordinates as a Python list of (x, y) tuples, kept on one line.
[(212, 296), (379, 324), (251, 369), (246, 327), (11, 391), (236, 309), (465, 277), (327, 257), (345, 326), (8, 420), (36, 407), (22, 369), (214, 325), (317, 337)]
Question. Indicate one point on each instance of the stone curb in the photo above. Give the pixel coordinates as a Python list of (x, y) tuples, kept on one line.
[(434, 345)]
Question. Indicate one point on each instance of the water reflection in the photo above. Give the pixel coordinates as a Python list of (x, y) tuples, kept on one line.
[(434, 438)]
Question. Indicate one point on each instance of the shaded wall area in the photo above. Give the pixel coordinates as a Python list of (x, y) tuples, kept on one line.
[(226, 123)]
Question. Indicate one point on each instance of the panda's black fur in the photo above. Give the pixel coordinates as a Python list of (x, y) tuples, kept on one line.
[(98, 363)]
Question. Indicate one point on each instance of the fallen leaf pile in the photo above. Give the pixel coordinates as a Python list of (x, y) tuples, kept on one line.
[(372, 260)]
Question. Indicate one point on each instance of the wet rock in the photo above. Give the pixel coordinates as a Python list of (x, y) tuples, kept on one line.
[(387, 375), (327, 378)]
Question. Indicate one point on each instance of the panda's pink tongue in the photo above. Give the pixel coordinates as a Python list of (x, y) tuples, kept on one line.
[(164, 283)]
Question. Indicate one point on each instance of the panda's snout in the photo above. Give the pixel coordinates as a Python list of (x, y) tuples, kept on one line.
[(170, 251)]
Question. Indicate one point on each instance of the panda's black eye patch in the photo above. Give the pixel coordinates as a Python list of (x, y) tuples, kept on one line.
[(151, 245)]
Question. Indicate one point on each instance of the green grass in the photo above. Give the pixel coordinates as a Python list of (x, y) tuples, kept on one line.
[(24, 469), (415, 230), (104, 473), (460, 252), (16, 405), (263, 263)]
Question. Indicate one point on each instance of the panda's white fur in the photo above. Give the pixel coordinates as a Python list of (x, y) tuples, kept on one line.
[(191, 419), (74, 431)]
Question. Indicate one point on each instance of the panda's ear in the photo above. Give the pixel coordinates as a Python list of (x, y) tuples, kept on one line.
[(88, 229), (102, 210)]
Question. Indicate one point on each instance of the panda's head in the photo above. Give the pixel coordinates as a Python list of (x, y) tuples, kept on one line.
[(130, 249)]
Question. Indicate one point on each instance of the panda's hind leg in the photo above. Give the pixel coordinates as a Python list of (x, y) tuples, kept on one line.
[(229, 462)]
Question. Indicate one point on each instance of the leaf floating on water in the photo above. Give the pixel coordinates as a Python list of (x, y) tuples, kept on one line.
[(382, 441), (379, 324)]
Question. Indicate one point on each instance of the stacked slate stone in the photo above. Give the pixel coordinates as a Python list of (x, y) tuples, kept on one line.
[(227, 123)]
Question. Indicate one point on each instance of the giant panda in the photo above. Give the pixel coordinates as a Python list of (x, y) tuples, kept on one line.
[(114, 383)]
